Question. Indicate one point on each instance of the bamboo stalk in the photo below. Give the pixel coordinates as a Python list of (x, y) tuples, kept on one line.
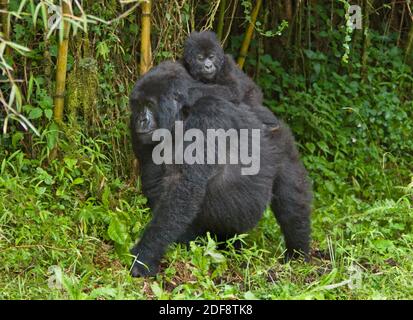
[(248, 34), (288, 10), (234, 9), (220, 28), (298, 36), (62, 66), (46, 53), (4, 4), (409, 46), (291, 27), (399, 33), (146, 52), (146, 58), (366, 39), (5, 26)]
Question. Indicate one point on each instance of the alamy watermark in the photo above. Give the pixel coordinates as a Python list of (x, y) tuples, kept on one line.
[(55, 279), (355, 17), (55, 16), (55, 12), (219, 146), (354, 281)]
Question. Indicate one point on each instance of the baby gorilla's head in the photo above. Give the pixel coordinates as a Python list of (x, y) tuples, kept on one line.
[(203, 56)]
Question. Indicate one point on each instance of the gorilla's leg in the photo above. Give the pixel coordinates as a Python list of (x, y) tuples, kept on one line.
[(223, 245), (184, 191), (291, 205), (190, 234)]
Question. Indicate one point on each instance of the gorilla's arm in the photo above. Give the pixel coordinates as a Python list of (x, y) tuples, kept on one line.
[(180, 203), (240, 83), (265, 116)]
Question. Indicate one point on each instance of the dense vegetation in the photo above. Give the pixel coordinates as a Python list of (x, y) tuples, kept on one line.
[(70, 203)]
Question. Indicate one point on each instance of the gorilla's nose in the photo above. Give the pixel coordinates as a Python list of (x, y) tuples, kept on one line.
[(145, 121)]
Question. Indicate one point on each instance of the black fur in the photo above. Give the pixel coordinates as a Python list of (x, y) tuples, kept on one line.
[(227, 73), (189, 200)]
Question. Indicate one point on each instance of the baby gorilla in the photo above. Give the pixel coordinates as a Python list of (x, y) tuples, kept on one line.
[(205, 60), (188, 200)]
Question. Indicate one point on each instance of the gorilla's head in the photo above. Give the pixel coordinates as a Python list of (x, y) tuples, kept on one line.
[(203, 55), (158, 106)]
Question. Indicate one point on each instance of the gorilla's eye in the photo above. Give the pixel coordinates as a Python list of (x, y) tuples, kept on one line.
[(211, 57), (200, 57), (148, 103)]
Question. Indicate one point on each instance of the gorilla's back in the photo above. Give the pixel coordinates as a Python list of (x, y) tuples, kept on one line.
[(234, 202)]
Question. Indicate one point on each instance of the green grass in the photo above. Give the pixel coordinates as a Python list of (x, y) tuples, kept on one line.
[(65, 228)]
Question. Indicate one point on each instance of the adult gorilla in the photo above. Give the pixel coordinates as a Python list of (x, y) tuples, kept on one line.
[(189, 200)]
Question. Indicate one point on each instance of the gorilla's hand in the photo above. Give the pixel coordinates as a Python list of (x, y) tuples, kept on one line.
[(143, 265)]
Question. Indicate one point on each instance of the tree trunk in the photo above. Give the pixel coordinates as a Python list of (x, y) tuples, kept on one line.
[(248, 34), (5, 27), (220, 27), (146, 51), (366, 39), (409, 46), (62, 65), (288, 10), (146, 59)]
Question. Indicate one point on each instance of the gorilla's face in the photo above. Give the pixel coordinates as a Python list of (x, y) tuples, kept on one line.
[(155, 107), (206, 65), (203, 56), (144, 116), (149, 114)]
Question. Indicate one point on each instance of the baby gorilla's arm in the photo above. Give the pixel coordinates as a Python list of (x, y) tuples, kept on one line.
[(199, 90)]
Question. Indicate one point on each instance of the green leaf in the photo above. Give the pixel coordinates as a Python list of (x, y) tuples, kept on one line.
[(117, 231), (102, 50), (52, 136), (157, 290), (70, 163), (310, 146), (317, 68), (383, 245), (78, 181), (216, 256), (103, 292), (30, 88), (250, 296), (35, 113), (48, 113), (106, 196), (323, 146), (16, 138)]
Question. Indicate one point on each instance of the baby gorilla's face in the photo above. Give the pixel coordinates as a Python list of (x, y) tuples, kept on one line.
[(203, 56), (206, 65)]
